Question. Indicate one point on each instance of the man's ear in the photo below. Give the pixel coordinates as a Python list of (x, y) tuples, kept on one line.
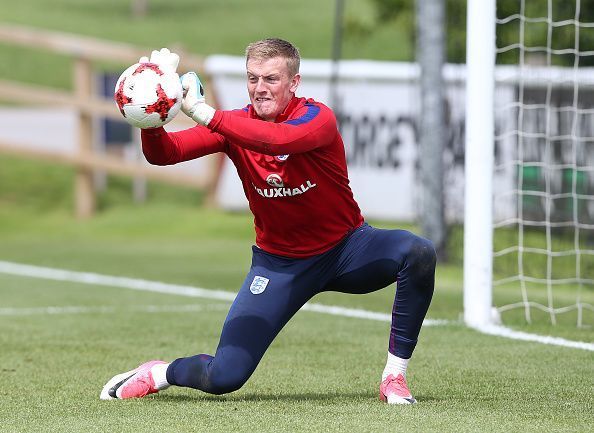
[(295, 81)]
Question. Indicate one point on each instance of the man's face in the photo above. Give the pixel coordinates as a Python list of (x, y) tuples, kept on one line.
[(270, 86)]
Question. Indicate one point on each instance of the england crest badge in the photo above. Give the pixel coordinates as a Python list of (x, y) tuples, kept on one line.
[(258, 285)]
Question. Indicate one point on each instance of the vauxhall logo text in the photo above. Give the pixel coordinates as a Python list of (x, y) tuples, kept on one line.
[(285, 192)]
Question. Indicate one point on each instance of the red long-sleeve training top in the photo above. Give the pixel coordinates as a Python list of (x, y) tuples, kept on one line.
[(293, 171)]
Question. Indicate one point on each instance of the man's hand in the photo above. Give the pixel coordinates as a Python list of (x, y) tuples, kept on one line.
[(164, 58), (194, 103), (193, 93)]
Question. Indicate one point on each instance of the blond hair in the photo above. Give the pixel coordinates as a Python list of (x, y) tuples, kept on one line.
[(274, 47)]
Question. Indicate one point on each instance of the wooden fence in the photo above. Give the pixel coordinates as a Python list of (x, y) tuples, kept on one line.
[(84, 51)]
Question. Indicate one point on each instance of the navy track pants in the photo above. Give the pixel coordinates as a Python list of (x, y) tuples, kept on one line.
[(276, 288)]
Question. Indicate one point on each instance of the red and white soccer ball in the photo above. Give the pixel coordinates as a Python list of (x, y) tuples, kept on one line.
[(147, 96)]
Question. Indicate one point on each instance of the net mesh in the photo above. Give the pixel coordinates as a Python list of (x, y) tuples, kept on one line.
[(544, 162)]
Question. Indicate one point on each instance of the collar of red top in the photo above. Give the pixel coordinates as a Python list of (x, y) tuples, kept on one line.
[(293, 103)]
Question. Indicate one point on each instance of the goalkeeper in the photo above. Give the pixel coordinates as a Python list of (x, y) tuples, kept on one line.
[(310, 235)]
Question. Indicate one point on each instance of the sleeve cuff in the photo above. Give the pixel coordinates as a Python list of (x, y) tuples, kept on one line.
[(203, 114)]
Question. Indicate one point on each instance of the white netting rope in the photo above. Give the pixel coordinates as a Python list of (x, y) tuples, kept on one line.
[(546, 121)]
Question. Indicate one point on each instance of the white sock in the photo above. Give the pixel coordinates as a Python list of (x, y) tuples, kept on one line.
[(159, 372), (395, 365)]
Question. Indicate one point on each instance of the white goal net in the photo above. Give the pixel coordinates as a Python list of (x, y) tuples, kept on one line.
[(542, 225)]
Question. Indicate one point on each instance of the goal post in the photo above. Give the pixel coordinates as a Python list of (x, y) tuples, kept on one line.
[(529, 163), (479, 160)]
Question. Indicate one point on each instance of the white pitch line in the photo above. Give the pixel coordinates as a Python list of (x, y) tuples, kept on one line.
[(176, 289), (362, 314), (502, 331), (197, 292), (58, 310)]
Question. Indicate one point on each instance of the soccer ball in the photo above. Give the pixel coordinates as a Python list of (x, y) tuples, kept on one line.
[(147, 96)]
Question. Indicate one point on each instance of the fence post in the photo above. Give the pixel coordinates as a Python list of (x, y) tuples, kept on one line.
[(85, 201)]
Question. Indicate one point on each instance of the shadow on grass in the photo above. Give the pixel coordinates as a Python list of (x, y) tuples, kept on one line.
[(312, 396), (305, 396)]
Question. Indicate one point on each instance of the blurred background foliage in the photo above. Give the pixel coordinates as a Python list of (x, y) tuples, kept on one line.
[(563, 35), (373, 29)]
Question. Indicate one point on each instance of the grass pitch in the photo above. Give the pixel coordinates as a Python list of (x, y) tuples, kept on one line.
[(320, 374)]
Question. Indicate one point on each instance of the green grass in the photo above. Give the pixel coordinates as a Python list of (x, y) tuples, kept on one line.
[(320, 374), (201, 27), (207, 27)]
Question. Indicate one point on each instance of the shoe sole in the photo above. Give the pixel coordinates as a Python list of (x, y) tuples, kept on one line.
[(113, 382), (397, 400)]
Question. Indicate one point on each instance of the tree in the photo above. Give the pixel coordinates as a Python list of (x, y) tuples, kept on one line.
[(535, 34)]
